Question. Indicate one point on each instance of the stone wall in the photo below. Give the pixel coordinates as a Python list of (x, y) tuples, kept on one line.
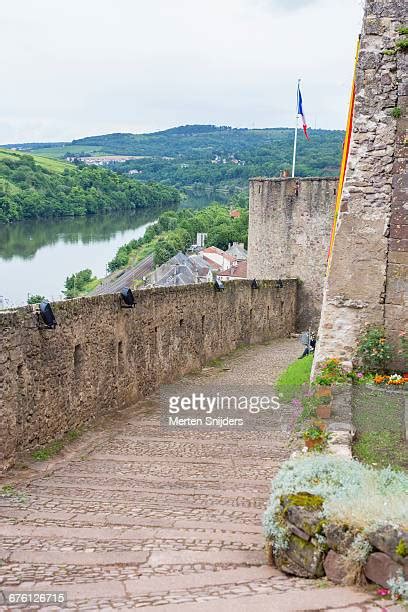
[(305, 556), (102, 357), (368, 281), (289, 232)]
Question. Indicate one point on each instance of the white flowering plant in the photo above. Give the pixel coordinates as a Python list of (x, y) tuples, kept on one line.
[(353, 494)]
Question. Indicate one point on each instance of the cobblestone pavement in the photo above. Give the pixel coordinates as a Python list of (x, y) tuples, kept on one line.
[(134, 515)]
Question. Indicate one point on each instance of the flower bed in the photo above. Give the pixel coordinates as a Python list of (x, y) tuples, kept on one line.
[(393, 380), (336, 517)]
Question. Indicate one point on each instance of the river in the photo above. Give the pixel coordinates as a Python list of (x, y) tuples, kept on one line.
[(37, 256)]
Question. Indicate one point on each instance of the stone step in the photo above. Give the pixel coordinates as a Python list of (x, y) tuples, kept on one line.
[(60, 519), (206, 556), (115, 456), (52, 557), (150, 586), (129, 482), (130, 534), (164, 489), (291, 600), (171, 501)]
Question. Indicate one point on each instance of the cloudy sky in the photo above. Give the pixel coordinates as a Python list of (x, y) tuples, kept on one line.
[(82, 67)]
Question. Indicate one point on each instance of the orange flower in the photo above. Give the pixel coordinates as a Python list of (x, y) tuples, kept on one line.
[(379, 379)]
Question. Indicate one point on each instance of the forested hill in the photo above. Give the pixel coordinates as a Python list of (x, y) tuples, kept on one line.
[(208, 155), (222, 156), (37, 187)]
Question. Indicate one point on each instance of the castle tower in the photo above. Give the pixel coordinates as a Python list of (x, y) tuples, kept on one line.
[(368, 278)]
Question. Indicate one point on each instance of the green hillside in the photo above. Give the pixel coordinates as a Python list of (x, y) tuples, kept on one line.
[(211, 156), (69, 150), (39, 187), (54, 165)]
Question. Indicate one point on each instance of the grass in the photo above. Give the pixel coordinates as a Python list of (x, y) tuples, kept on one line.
[(52, 165), (402, 44), (141, 253), (291, 380), (43, 454), (9, 490), (91, 285), (381, 448), (59, 152), (47, 452), (218, 362), (378, 416), (396, 112)]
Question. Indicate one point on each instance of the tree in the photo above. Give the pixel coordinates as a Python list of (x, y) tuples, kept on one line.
[(35, 299), (76, 284), (30, 189)]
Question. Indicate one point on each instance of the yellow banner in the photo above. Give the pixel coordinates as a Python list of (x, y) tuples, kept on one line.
[(346, 150)]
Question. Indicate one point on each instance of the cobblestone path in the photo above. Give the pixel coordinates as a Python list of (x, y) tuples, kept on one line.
[(133, 515)]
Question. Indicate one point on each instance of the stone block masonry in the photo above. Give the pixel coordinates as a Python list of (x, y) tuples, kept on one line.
[(102, 357), (289, 232), (368, 281)]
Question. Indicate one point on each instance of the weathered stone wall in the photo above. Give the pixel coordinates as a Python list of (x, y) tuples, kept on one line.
[(368, 281), (102, 357), (304, 555), (289, 232)]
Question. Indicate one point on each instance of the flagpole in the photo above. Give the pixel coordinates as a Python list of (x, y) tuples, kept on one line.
[(296, 131)]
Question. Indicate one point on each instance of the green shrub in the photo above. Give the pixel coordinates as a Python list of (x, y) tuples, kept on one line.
[(373, 351), (35, 299), (402, 45), (396, 112)]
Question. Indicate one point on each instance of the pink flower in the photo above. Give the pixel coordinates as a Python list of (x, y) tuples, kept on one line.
[(383, 592), (360, 375)]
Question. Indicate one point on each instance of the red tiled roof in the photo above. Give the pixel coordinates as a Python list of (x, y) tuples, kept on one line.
[(217, 251), (211, 262), (213, 249), (238, 271)]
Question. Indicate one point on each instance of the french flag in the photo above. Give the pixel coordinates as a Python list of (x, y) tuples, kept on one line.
[(301, 113)]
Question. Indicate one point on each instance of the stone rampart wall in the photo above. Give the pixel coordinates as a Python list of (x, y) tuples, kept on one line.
[(102, 357)]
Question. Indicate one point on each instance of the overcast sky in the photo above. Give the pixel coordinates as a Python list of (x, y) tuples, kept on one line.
[(81, 67)]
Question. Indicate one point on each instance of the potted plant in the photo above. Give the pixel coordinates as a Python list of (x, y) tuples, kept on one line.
[(323, 391), (323, 407), (315, 436), (331, 373)]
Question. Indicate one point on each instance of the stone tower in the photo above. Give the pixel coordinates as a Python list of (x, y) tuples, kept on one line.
[(368, 278)]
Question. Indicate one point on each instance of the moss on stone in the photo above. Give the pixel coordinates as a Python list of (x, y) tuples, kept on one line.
[(402, 549), (306, 500)]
